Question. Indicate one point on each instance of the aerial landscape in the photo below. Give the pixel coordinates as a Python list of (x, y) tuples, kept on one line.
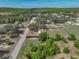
[(39, 29)]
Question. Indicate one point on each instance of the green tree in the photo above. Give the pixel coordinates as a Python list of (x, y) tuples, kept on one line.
[(77, 43), (34, 48), (43, 36), (58, 37), (50, 41), (41, 47), (72, 37), (28, 54), (50, 49)]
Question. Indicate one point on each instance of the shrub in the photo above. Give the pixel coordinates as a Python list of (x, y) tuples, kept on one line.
[(77, 43), (37, 55), (44, 36), (41, 47), (50, 41), (58, 37), (51, 49), (34, 48), (72, 37), (66, 50), (28, 54)]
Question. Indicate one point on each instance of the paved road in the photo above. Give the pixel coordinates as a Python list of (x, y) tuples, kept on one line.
[(20, 42)]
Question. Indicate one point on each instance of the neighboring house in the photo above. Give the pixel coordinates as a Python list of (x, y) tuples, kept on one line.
[(2, 51), (77, 21), (46, 14), (55, 14), (68, 22), (71, 21), (45, 26)]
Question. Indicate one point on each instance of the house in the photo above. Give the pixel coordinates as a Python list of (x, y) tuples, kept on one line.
[(71, 21), (45, 26), (4, 49), (68, 22), (77, 21)]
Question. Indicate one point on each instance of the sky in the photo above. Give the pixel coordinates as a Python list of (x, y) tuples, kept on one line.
[(39, 3)]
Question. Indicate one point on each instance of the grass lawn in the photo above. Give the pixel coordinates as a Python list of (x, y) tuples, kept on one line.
[(66, 30), (52, 32), (74, 29)]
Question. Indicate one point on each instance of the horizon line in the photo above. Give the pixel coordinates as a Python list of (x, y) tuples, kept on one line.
[(38, 7)]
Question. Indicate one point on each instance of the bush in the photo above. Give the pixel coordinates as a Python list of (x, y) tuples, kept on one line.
[(77, 43), (51, 49), (34, 48), (41, 47), (28, 54), (44, 36), (50, 41), (72, 37), (66, 50), (58, 37)]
